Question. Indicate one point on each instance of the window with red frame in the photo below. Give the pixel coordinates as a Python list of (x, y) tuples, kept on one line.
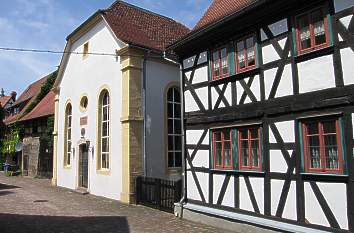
[(249, 147), (322, 147), (246, 54), (222, 149), (312, 31), (220, 67)]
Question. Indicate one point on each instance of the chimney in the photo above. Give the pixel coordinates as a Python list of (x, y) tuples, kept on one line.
[(13, 95), (2, 94)]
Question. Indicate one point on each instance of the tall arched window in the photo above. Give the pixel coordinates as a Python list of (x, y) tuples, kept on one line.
[(174, 128), (67, 135), (104, 132)]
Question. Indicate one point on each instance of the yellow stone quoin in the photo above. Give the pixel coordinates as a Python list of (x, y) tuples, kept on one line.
[(131, 120)]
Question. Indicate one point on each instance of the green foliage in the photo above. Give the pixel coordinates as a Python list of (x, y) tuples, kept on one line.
[(45, 89), (48, 138), (10, 140)]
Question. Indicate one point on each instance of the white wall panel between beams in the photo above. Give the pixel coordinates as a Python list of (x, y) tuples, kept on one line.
[(229, 198), (347, 57), (269, 54), (285, 87), (290, 204), (190, 104), (316, 74), (346, 21), (200, 75), (286, 130), (201, 159), (277, 161), (192, 190), (203, 95), (193, 136), (245, 201)]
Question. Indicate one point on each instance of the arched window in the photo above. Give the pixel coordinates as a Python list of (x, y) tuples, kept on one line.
[(104, 132), (174, 128), (67, 134)]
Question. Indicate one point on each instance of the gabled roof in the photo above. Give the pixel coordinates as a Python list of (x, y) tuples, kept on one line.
[(44, 108), (220, 9), (26, 97), (4, 100), (32, 90)]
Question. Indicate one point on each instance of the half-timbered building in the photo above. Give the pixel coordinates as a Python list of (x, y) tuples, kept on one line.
[(268, 115)]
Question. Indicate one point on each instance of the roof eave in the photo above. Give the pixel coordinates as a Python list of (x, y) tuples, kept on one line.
[(203, 30)]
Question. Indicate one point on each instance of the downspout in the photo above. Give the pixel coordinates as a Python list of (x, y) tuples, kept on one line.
[(144, 112), (184, 173)]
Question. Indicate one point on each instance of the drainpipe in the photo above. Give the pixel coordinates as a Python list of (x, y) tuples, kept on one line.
[(144, 112), (184, 167)]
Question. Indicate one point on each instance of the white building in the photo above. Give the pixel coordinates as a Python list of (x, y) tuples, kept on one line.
[(111, 103)]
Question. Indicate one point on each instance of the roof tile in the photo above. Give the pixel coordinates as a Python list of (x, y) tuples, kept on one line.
[(44, 108), (141, 27)]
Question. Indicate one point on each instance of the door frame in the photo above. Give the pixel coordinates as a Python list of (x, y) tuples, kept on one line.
[(80, 144)]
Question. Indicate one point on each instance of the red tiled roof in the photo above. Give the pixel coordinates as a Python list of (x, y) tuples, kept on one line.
[(44, 108), (4, 100), (32, 90), (28, 95), (138, 26), (220, 9)]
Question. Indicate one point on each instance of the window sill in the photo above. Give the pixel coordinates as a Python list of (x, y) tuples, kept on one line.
[(104, 172), (67, 167), (235, 77), (311, 54), (241, 172)]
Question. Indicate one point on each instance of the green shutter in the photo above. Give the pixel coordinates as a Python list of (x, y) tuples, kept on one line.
[(294, 41), (211, 149), (344, 155), (235, 148), (330, 29), (301, 147), (231, 58)]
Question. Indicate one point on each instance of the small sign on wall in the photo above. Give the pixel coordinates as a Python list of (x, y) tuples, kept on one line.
[(83, 121)]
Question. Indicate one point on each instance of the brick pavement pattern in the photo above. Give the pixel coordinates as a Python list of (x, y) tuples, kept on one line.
[(34, 206)]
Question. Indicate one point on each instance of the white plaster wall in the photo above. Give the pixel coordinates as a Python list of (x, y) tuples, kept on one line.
[(347, 57), (255, 88), (201, 158), (285, 87), (87, 77), (290, 204), (286, 130), (229, 197), (193, 136), (190, 103), (346, 21), (159, 77), (192, 190), (316, 74), (200, 75), (269, 54), (277, 161), (335, 195), (258, 190)]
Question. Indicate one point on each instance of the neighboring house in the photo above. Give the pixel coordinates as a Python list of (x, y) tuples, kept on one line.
[(118, 115), (29, 116), (37, 152), (7, 101), (269, 115)]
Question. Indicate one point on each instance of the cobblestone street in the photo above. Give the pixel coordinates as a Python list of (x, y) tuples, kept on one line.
[(32, 205)]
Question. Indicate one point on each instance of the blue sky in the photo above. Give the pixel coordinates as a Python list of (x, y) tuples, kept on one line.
[(44, 24)]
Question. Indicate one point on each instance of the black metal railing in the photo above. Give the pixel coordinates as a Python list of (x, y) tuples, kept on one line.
[(158, 193)]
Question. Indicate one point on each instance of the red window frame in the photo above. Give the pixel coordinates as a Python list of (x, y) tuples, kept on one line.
[(321, 135), (247, 67), (221, 75), (312, 35), (222, 165), (250, 157)]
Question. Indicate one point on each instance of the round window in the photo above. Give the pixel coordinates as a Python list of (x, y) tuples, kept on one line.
[(84, 103)]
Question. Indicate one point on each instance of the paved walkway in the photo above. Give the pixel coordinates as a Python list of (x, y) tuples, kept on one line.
[(33, 206)]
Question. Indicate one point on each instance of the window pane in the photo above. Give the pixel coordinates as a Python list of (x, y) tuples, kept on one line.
[(105, 145), (69, 147), (177, 111), (314, 152), (227, 154), (178, 159), (250, 52), (331, 152), (319, 28), (254, 133), (170, 159), (106, 99), (105, 161), (226, 134), (218, 150), (255, 153), (68, 158), (170, 126), (178, 143), (105, 113), (329, 126), (312, 128), (217, 136), (105, 129), (170, 110), (69, 121), (177, 96), (170, 95), (69, 134), (216, 64), (305, 35), (241, 54), (177, 127), (244, 153), (170, 142), (244, 134), (224, 61)]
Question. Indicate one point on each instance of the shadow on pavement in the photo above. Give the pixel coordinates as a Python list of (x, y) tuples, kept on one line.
[(7, 186), (13, 223)]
